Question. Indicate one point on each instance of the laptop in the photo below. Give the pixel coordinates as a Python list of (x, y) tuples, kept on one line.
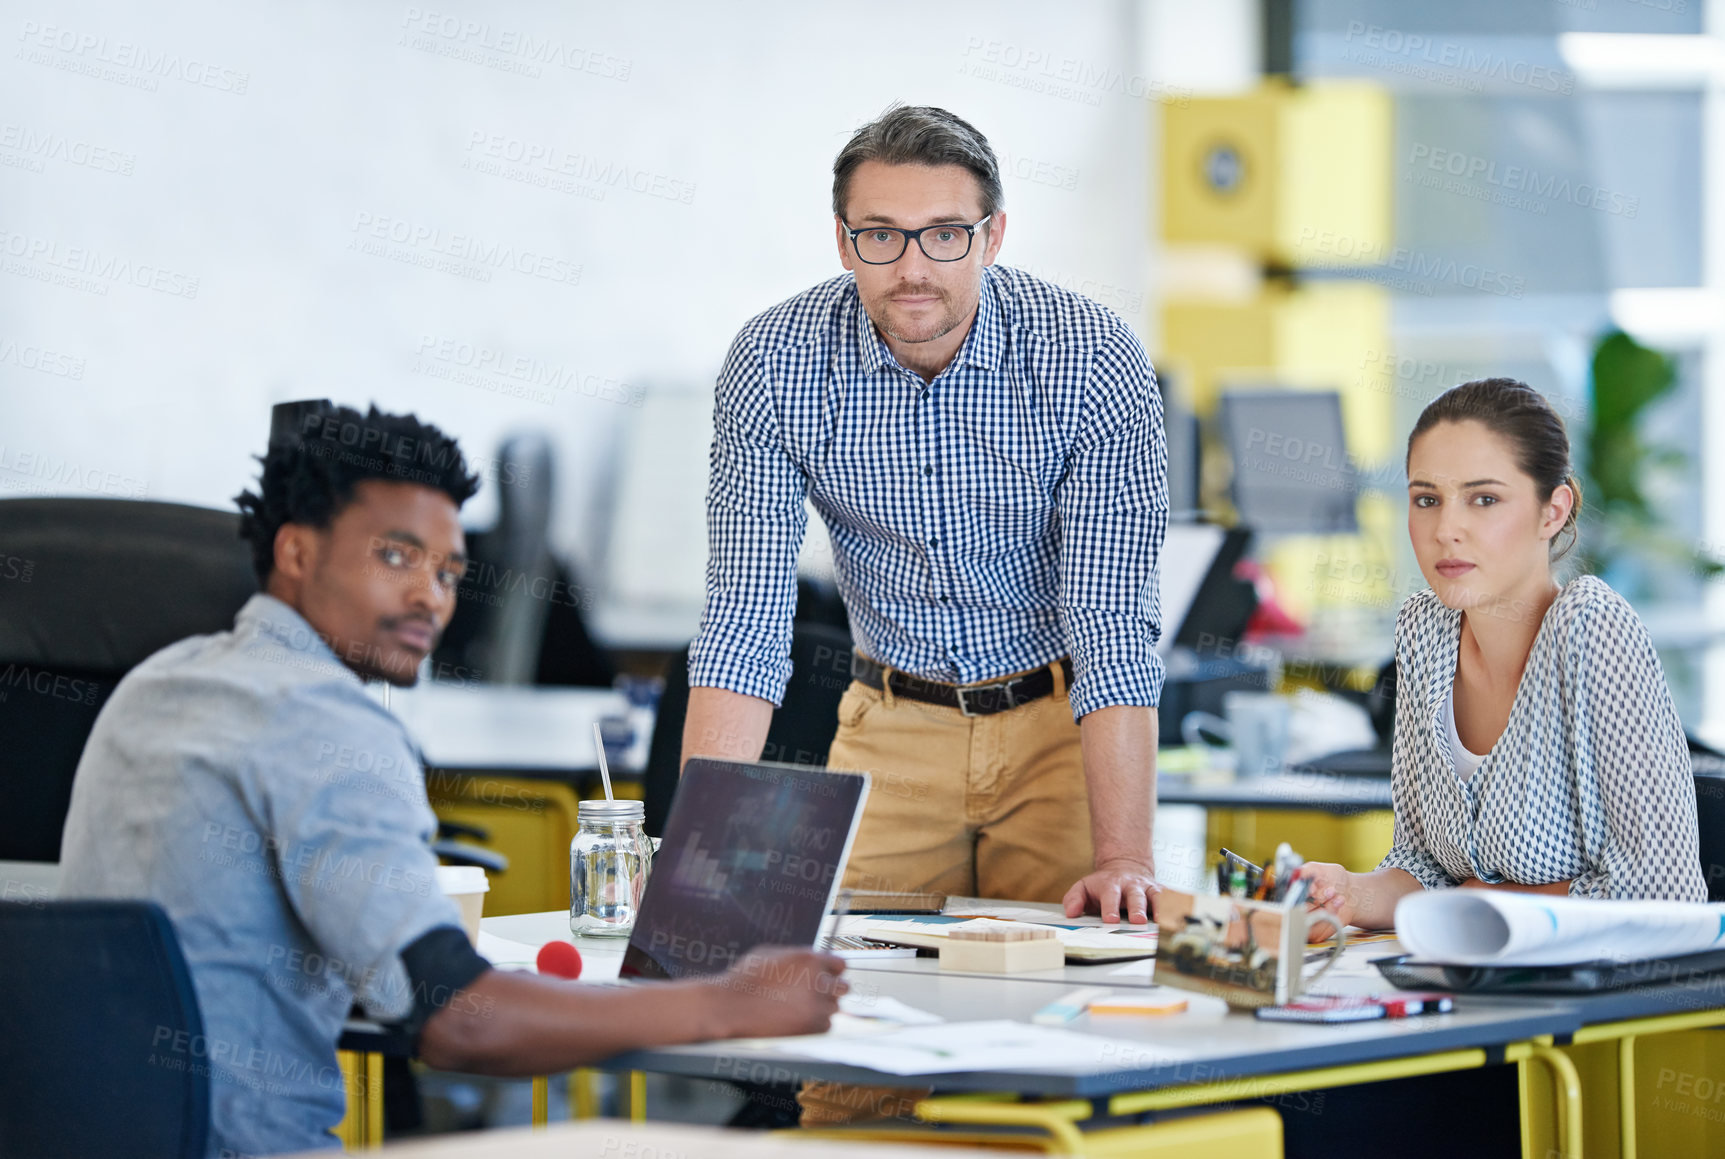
[(752, 855)]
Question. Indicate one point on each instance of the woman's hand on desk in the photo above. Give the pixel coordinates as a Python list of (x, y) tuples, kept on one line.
[(1361, 899), (1331, 895)]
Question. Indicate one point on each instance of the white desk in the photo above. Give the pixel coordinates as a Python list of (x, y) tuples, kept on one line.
[(512, 728)]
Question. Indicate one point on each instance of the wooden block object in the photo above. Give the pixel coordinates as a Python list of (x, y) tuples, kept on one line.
[(995, 947)]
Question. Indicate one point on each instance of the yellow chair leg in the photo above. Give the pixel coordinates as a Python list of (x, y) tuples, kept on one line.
[(347, 1131), (541, 1100), (1567, 1082), (1626, 1097), (584, 1093), (637, 1096), (361, 1128)]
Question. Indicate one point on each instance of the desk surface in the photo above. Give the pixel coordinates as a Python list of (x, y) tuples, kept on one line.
[(1202, 1045), (511, 728), (1205, 1044)]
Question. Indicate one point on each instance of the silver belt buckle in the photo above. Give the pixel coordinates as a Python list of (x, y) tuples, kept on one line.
[(1004, 685)]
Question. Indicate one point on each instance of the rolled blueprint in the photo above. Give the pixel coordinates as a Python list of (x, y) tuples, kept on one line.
[(1478, 927)]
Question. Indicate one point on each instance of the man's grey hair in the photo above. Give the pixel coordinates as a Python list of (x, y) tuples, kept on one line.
[(919, 135)]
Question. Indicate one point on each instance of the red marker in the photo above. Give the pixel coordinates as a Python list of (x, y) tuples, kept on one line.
[(561, 959)]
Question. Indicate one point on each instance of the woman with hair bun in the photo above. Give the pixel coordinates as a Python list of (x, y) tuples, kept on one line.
[(1536, 745)]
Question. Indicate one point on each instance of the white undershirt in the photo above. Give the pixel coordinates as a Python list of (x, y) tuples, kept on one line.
[(1465, 762)]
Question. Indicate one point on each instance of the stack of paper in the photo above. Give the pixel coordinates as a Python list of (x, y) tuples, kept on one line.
[(1081, 943)]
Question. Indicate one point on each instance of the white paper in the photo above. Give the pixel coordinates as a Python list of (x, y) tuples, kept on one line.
[(507, 955), (1105, 937), (983, 1046), (1479, 927), (1010, 913), (1143, 968), (1041, 915), (859, 1004)]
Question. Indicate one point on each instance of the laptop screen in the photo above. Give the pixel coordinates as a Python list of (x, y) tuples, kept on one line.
[(752, 856)]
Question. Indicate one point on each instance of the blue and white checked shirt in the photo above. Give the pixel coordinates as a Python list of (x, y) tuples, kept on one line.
[(1008, 513)]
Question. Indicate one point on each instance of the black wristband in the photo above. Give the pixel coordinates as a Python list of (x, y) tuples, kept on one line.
[(439, 963)]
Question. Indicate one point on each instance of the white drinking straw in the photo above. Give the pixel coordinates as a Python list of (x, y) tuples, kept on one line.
[(604, 770)]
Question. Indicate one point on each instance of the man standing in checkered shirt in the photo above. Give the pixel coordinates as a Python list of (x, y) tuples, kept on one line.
[(987, 452)]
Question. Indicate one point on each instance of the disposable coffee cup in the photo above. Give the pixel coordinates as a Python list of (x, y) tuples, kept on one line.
[(467, 885)]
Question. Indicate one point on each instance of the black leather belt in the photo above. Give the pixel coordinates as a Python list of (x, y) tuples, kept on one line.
[(970, 699)]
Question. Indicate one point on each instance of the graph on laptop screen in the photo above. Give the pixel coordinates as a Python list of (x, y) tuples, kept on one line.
[(752, 855)]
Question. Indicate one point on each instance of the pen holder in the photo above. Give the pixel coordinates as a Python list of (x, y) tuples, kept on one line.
[(1247, 953)]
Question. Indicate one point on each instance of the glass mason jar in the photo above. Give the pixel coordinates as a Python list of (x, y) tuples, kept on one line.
[(608, 864)]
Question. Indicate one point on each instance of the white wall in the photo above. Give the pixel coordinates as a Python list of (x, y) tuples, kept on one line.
[(255, 142)]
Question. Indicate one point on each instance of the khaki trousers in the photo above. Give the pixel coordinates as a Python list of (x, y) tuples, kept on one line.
[(974, 806)]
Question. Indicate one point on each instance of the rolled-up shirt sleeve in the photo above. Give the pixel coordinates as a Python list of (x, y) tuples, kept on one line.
[(755, 522), (1113, 516), (1628, 734), (1409, 849), (350, 827)]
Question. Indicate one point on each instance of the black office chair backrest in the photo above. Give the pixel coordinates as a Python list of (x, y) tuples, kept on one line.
[(101, 584), (1710, 821), (802, 729), (104, 1050)]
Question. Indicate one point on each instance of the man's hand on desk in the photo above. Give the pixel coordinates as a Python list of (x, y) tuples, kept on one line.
[(510, 1023), (778, 990), (1120, 887)]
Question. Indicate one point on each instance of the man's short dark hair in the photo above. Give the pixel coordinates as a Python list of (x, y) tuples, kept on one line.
[(919, 135), (309, 476)]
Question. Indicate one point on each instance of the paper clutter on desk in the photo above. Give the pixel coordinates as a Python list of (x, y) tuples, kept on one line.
[(996, 947)]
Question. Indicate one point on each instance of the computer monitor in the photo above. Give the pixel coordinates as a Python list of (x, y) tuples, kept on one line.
[(1292, 472)]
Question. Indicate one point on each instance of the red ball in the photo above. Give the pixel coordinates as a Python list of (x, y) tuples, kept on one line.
[(560, 958)]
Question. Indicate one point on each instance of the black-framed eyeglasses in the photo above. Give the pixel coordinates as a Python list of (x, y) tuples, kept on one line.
[(880, 245)]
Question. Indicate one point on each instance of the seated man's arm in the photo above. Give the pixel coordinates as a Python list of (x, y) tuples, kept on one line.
[(509, 1023)]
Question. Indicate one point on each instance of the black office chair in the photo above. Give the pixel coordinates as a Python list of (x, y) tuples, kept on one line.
[(519, 616), (111, 581), (1710, 822), (104, 1044), (802, 729)]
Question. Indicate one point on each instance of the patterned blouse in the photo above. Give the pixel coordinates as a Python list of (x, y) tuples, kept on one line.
[(1590, 781)]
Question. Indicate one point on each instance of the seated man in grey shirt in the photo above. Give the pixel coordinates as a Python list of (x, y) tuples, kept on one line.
[(247, 783)]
